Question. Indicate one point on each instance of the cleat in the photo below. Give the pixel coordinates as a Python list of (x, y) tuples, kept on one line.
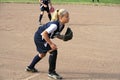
[(55, 76), (33, 70)]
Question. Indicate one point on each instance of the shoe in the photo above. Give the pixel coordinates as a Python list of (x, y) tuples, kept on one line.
[(33, 70), (54, 75)]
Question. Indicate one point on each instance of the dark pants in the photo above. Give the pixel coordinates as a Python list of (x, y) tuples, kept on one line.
[(44, 9)]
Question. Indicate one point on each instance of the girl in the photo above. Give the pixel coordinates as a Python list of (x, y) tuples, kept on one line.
[(44, 6), (44, 44)]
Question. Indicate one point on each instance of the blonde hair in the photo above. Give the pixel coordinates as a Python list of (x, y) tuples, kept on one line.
[(57, 13)]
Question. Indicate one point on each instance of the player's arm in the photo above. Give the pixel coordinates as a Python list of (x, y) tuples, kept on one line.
[(47, 39), (52, 28), (45, 35), (59, 36)]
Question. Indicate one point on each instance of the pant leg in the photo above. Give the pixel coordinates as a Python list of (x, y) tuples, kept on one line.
[(35, 60), (52, 61), (40, 17), (49, 16)]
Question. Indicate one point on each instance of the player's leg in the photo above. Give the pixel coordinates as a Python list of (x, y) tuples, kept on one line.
[(42, 52), (40, 17), (36, 59), (52, 61), (48, 12), (41, 14), (52, 65), (49, 16)]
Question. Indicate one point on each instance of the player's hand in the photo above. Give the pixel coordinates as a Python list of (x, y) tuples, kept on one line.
[(45, 5), (53, 46)]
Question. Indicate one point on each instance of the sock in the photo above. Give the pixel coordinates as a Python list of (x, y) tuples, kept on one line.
[(40, 18), (34, 62), (52, 61), (49, 15)]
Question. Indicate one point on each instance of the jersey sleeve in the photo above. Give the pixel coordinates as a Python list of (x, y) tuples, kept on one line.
[(51, 28)]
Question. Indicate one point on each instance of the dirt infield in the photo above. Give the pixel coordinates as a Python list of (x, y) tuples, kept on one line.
[(93, 54)]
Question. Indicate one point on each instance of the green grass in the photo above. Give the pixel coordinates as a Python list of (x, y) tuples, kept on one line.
[(20, 1), (66, 1)]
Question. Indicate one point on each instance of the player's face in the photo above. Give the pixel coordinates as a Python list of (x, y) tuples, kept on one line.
[(65, 18)]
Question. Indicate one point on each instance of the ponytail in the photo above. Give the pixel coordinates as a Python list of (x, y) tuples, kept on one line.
[(58, 13), (55, 15)]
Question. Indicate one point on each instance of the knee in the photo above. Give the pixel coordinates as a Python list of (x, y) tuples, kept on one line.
[(42, 55), (42, 13), (54, 52)]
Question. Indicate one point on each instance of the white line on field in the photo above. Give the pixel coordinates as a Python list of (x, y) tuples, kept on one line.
[(30, 77)]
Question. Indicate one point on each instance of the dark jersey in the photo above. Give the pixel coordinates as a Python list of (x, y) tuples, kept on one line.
[(46, 2), (38, 36)]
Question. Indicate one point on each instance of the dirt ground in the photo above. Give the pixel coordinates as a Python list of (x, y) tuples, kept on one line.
[(93, 53)]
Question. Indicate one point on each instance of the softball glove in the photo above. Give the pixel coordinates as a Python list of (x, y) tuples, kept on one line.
[(68, 34)]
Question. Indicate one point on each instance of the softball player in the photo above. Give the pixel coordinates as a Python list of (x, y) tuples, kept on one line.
[(44, 6), (44, 44)]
